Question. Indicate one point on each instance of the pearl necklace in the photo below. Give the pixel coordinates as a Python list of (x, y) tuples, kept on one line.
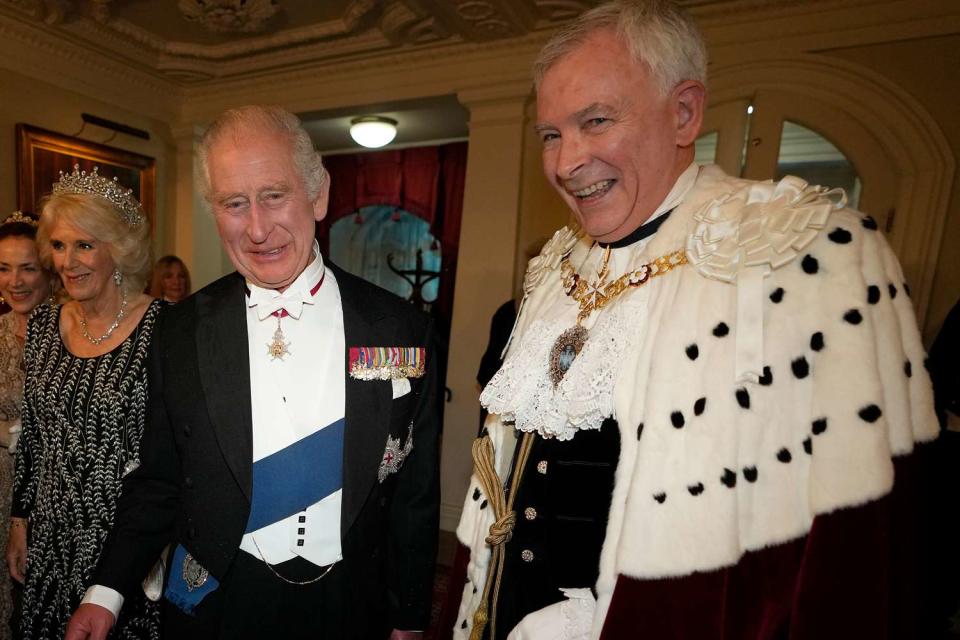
[(110, 329)]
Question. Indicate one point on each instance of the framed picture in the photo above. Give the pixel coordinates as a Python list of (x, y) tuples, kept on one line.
[(42, 155)]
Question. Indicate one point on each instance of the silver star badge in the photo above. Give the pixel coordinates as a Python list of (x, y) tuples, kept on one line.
[(277, 348)]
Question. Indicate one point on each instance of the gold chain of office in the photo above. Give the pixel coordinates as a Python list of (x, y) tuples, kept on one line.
[(595, 296)]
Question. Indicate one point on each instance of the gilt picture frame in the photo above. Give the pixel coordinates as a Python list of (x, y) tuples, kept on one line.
[(43, 154)]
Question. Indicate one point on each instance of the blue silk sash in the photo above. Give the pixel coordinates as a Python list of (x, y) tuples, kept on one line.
[(299, 476)]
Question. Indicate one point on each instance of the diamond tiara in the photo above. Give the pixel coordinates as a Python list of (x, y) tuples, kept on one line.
[(19, 216), (92, 183)]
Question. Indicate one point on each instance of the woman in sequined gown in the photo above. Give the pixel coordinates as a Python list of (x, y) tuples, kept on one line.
[(24, 284), (85, 396)]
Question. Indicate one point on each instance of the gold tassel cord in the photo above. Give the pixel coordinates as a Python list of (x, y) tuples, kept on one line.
[(502, 528)]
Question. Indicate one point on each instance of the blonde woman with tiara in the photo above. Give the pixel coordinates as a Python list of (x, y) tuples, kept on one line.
[(84, 405)]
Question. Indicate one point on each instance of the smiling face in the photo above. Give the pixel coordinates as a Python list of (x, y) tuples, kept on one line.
[(23, 282), (84, 264), (613, 146), (174, 282), (265, 219)]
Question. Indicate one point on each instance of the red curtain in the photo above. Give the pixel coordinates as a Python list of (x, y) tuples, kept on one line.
[(425, 181)]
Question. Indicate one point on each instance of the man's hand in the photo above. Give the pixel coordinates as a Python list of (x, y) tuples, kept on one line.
[(17, 549), (89, 622), (405, 635)]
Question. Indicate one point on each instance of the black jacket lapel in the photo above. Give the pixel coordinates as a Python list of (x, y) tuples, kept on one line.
[(367, 403), (224, 364)]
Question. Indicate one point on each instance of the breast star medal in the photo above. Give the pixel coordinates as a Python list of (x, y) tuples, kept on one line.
[(277, 348), (193, 574)]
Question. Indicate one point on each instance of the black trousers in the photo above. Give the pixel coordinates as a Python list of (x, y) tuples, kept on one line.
[(252, 603)]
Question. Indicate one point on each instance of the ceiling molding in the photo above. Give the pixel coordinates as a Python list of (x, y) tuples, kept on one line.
[(46, 55), (120, 29), (400, 48), (408, 73), (360, 27)]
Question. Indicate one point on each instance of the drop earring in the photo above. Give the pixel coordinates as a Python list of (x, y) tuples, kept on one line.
[(117, 277)]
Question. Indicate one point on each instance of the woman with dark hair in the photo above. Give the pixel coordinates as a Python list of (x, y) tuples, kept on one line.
[(84, 402), (170, 280), (24, 284)]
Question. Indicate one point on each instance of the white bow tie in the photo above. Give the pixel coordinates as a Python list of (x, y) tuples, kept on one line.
[(269, 301)]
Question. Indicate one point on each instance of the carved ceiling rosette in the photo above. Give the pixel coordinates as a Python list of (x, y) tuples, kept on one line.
[(229, 16), (409, 23)]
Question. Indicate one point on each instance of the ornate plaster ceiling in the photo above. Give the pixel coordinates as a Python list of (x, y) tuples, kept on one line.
[(175, 40), (190, 41)]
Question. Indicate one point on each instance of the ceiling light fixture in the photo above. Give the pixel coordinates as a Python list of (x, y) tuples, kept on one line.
[(373, 132)]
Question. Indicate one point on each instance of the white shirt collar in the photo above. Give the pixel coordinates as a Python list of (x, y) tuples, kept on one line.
[(679, 191), (267, 301)]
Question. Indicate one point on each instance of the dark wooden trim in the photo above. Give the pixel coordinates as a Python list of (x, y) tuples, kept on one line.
[(88, 154)]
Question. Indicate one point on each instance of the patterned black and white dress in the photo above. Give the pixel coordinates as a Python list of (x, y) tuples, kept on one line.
[(11, 391), (82, 423)]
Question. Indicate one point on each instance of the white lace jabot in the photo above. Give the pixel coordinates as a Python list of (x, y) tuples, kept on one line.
[(522, 391)]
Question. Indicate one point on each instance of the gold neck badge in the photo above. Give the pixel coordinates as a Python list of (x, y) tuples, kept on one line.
[(594, 295)]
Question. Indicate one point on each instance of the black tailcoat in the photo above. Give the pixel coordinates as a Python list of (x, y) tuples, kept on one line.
[(194, 482)]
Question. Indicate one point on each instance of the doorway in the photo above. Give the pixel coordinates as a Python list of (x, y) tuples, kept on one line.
[(835, 123)]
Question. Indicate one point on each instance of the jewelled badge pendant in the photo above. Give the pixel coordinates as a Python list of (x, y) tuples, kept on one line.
[(592, 297), (277, 348), (565, 351)]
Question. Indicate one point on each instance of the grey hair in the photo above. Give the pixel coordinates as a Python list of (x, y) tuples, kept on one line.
[(656, 32), (269, 119)]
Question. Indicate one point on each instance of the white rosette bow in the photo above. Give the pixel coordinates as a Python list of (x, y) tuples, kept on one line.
[(540, 266), (549, 258), (742, 236)]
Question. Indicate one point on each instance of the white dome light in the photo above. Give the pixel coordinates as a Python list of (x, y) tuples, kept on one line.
[(373, 132)]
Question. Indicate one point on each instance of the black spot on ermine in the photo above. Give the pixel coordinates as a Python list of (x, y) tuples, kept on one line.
[(853, 316), (840, 236), (800, 368), (767, 378), (816, 341), (729, 478), (870, 413), (699, 406), (743, 398)]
